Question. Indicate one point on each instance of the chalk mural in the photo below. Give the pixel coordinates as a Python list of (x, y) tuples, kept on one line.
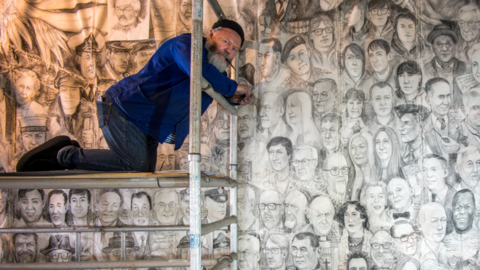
[(361, 149)]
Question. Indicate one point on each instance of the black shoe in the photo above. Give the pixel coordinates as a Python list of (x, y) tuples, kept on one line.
[(44, 156)]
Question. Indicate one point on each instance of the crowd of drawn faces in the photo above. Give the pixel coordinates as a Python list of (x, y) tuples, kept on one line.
[(361, 149)]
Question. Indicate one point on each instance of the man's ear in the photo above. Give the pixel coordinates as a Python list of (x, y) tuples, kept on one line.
[(107, 54)]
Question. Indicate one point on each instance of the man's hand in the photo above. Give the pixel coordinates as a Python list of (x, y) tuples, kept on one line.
[(243, 95)]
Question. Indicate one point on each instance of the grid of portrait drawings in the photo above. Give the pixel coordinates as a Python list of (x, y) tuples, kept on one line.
[(361, 149)]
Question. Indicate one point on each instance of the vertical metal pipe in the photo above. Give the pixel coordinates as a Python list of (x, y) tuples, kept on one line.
[(194, 156), (77, 247), (233, 175), (122, 246)]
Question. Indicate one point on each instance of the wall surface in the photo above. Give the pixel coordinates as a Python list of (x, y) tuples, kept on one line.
[(360, 150)]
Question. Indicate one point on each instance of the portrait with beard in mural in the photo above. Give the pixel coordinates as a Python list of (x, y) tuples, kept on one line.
[(361, 150)]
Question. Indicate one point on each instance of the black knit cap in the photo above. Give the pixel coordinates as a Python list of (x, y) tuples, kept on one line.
[(231, 25)]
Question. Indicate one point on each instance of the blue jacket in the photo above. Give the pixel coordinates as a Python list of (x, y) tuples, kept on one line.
[(157, 99)]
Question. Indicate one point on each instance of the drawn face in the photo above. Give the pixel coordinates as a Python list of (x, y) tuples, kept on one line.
[(295, 205), (406, 30), (24, 90), (469, 169), (247, 257), (69, 97), (439, 98), (304, 255), (405, 239), (353, 220), (463, 211), (353, 64), (359, 150), (275, 256), (118, 60), (375, 200), (269, 59), (270, 113), (304, 164), (32, 139), (329, 133), (354, 108), (246, 122), (299, 60), (25, 249), (409, 84), (221, 128), (409, 128), (468, 23), (185, 206), (31, 206), (399, 194), (379, 16), (126, 14), (272, 218), (357, 264), (57, 209), (473, 111), (140, 211), (323, 97), (166, 207), (336, 164), (354, 16), (108, 207), (435, 224), (382, 249), (59, 255), (476, 65), (87, 65), (379, 60), (278, 156), (434, 175), (79, 205), (444, 48), (382, 101), (321, 215), (322, 36), (383, 146), (185, 13), (115, 254), (142, 57), (294, 111), (216, 210)]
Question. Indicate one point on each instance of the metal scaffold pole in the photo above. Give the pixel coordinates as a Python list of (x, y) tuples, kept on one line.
[(194, 138)]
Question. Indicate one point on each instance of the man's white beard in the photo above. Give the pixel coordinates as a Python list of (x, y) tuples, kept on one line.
[(217, 61)]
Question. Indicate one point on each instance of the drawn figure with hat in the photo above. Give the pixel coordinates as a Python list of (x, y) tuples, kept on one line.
[(130, 21), (216, 204), (59, 249), (141, 53), (72, 115), (149, 104), (183, 248), (113, 250), (33, 132), (296, 57), (116, 64), (221, 245), (444, 64)]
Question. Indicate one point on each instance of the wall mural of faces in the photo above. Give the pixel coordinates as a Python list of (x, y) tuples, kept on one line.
[(361, 149)]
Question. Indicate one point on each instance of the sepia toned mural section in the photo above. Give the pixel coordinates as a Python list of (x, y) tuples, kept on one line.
[(360, 151)]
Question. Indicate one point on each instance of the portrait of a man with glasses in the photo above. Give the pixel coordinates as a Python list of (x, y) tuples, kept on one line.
[(336, 173), (380, 13), (276, 251), (59, 249), (248, 252), (304, 251), (382, 250), (128, 20), (271, 207), (304, 162), (405, 237), (468, 19)]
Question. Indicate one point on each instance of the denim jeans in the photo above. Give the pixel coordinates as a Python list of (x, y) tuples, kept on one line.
[(130, 148)]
